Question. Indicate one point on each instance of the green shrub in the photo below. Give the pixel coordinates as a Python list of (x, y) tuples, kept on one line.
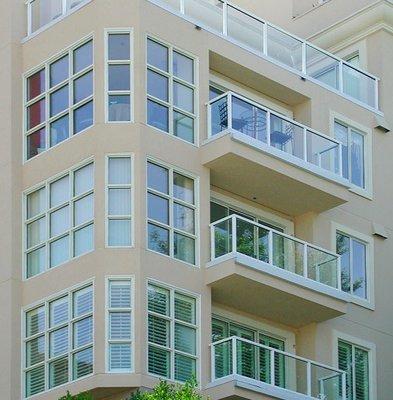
[(80, 396)]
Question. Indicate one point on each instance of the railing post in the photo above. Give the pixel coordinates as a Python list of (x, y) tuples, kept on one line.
[(29, 19), (213, 363), (65, 6), (309, 387), (234, 234), (305, 144), (268, 125), (339, 273), (304, 58), (212, 243), (182, 7), (229, 100), (209, 120), (272, 368), (225, 18), (340, 159), (234, 357), (341, 77), (270, 247), (305, 260), (264, 39), (344, 386), (376, 94)]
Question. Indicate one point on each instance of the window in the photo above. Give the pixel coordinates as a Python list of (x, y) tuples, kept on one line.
[(43, 12), (119, 201), (172, 213), (355, 361), (353, 153), (59, 220), (119, 324), (172, 333), (58, 341), (353, 254), (171, 91), (119, 76), (59, 99)]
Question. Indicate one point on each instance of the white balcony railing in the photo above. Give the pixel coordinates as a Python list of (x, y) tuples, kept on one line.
[(262, 366), (41, 13), (278, 134), (234, 235), (271, 42)]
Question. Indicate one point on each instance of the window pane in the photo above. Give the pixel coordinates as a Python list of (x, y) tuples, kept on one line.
[(83, 117), (158, 300), (119, 201), (83, 363), (118, 77), (58, 342), (158, 208), (59, 251), (157, 55), (341, 134), (35, 351), (119, 325), (184, 248), (119, 170), (157, 85), (183, 67), (36, 203), (120, 294), (44, 12), (83, 240), (59, 71), (36, 232), (362, 389), (183, 127), (36, 262), (359, 279), (157, 116), (58, 372), (59, 130), (83, 332), (83, 179), (59, 191), (35, 321), (357, 159), (119, 356), (157, 178), (35, 381), (185, 339), (159, 331), (36, 143), (60, 221), (58, 311), (36, 84), (185, 368), (83, 57), (119, 46), (159, 362), (183, 218), (83, 210), (36, 114), (183, 188), (183, 97), (83, 87), (83, 301), (158, 239), (59, 101), (343, 249), (119, 108), (185, 308)]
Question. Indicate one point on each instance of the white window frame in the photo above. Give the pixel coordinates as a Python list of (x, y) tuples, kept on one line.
[(71, 320), (116, 186), (66, 11), (196, 236), (369, 301), (367, 191), (130, 62), (173, 289), (364, 345), (46, 95), (171, 78), (25, 222), (108, 310)]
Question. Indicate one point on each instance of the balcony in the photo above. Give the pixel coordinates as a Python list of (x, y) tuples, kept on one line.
[(252, 151), (262, 38), (278, 277), (240, 366)]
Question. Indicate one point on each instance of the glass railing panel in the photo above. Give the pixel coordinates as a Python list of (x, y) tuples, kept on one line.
[(207, 12), (174, 4), (44, 12), (287, 136), (288, 254), (322, 266), (359, 85), (249, 119), (223, 359), (323, 152), (245, 29), (296, 374), (246, 356), (322, 67), (325, 383), (222, 237), (284, 48), (219, 116)]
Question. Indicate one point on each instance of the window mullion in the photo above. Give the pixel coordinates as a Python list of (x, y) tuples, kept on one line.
[(172, 327), (351, 258)]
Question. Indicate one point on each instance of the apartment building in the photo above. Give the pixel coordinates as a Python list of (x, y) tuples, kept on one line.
[(196, 188)]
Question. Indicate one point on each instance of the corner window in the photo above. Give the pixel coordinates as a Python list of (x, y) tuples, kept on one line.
[(172, 212), (119, 76), (355, 361), (353, 153), (119, 325), (59, 100), (58, 341), (172, 333), (119, 201), (354, 272), (171, 91), (59, 220)]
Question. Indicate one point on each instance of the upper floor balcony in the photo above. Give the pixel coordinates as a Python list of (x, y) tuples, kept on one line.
[(240, 368), (266, 40), (239, 130)]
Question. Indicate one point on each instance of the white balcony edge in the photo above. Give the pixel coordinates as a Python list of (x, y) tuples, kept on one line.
[(283, 274)]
